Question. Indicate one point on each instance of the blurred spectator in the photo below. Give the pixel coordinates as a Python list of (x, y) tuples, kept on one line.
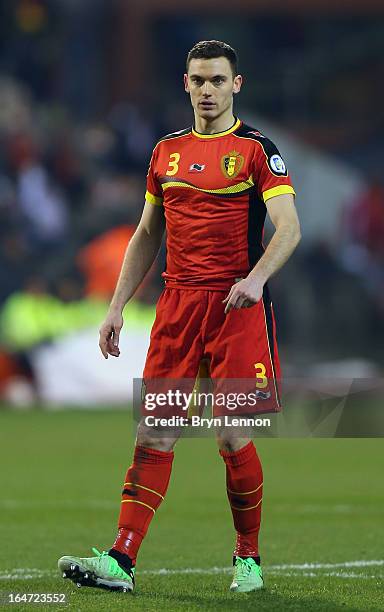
[(136, 135), (363, 227), (14, 262), (15, 107), (34, 315), (118, 192), (101, 259), (66, 163), (42, 206), (365, 221)]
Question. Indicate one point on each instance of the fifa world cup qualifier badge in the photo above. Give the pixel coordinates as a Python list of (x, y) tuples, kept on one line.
[(231, 164), (277, 165)]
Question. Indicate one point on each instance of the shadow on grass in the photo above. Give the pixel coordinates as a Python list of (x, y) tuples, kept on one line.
[(170, 597), (265, 600)]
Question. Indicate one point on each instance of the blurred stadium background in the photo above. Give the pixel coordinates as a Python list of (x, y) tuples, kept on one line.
[(86, 89)]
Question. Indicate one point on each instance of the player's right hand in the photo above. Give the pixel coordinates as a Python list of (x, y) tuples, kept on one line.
[(110, 335)]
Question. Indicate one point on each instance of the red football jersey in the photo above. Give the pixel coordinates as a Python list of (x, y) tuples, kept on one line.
[(213, 189)]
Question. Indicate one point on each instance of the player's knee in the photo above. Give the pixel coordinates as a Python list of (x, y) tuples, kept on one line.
[(230, 442), (151, 437), (160, 444), (229, 446)]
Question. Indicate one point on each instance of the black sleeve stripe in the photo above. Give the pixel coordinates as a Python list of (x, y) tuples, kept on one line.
[(176, 134), (269, 148), (169, 137)]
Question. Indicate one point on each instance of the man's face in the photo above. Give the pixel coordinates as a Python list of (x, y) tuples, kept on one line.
[(211, 85)]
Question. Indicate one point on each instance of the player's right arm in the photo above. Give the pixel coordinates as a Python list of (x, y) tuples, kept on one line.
[(140, 254)]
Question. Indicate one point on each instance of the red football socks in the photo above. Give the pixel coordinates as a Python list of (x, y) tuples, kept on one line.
[(245, 491), (144, 489)]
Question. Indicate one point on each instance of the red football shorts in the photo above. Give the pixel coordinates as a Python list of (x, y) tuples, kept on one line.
[(192, 338)]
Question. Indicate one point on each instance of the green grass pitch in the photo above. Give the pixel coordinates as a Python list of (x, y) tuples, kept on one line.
[(322, 532)]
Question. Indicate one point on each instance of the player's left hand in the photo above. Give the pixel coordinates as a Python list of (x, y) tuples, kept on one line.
[(244, 293)]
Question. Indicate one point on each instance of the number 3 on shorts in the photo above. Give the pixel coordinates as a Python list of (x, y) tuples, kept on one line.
[(173, 164), (261, 379)]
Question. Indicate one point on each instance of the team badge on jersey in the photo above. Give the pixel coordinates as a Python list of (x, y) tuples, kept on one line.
[(277, 165), (231, 164)]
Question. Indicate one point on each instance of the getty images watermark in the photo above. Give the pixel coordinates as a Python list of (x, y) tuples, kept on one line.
[(183, 401), (173, 408), (316, 407), (198, 421)]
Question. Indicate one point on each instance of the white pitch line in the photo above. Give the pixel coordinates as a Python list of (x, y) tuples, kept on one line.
[(15, 504), (324, 575), (304, 566), (304, 569), (19, 504), (28, 573)]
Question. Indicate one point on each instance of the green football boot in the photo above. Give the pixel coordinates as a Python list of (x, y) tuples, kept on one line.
[(247, 576), (101, 571)]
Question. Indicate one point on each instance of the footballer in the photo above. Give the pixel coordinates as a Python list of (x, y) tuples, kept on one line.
[(209, 187)]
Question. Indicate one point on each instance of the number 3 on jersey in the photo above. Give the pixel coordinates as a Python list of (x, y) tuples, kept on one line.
[(173, 164), (261, 379)]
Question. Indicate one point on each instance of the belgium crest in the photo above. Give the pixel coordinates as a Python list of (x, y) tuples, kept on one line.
[(231, 164)]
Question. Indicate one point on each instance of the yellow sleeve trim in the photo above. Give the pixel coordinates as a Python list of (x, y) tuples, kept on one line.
[(275, 191), (158, 201)]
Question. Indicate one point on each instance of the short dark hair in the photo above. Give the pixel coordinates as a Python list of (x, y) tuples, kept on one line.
[(209, 49)]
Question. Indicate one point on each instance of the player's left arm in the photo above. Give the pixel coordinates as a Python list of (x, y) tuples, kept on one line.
[(283, 214)]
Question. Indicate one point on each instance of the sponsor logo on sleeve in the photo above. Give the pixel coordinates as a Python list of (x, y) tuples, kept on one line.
[(256, 133)]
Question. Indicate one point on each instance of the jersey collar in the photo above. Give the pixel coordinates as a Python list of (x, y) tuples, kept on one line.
[(235, 126)]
